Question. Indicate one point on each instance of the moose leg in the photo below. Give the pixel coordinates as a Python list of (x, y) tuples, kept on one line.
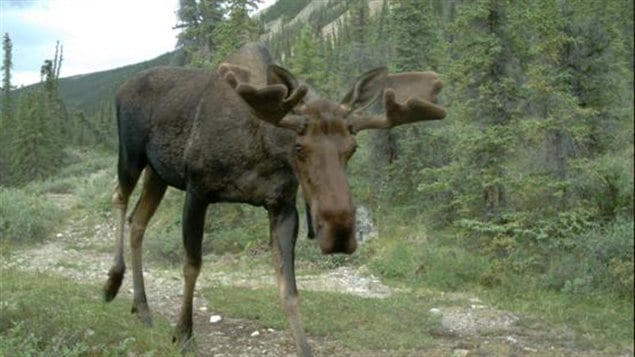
[(284, 231), (309, 222), (126, 183), (193, 223), (151, 195)]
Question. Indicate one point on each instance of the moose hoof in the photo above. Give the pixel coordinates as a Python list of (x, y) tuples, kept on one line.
[(111, 288), (183, 338), (143, 313)]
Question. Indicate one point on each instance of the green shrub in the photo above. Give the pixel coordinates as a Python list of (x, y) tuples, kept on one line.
[(397, 260), (26, 218), (450, 267), (611, 249), (606, 183)]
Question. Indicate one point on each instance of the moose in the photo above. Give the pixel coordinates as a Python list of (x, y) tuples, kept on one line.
[(248, 132)]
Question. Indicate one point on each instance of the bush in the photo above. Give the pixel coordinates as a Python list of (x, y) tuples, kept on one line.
[(611, 248), (25, 218), (397, 260), (606, 183), (570, 252)]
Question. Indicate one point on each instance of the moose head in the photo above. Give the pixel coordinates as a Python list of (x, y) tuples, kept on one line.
[(325, 133)]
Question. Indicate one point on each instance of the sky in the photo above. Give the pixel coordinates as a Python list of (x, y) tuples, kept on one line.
[(97, 35)]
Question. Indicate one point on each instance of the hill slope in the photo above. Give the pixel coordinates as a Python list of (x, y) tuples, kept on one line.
[(87, 92)]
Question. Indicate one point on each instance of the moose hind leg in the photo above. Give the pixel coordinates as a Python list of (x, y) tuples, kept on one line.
[(193, 223), (115, 274), (284, 231), (151, 195), (129, 169)]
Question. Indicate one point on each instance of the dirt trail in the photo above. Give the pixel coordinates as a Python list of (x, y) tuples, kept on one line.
[(82, 253)]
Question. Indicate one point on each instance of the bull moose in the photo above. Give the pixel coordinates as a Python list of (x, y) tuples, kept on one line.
[(248, 132)]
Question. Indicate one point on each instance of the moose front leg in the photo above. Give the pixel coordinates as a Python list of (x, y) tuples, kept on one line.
[(193, 223), (284, 231)]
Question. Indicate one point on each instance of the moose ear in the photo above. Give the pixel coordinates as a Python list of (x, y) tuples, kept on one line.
[(366, 89)]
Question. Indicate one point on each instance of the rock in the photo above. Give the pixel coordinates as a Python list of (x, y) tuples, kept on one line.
[(364, 226), (255, 334), (511, 339), (435, 311), (460, 353), (215, 318)]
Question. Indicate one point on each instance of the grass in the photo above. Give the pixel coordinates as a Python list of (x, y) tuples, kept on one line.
[(44, 315), (600, 322), (399, 322)]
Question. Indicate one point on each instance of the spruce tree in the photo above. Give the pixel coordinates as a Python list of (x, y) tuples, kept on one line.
[(197, 20), (238, 29), (485, 94), (307, 61), (7, 65), (35, 151), (6, 110), (414, 35)]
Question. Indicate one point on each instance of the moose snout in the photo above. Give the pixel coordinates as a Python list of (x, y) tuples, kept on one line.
[(336, 232)]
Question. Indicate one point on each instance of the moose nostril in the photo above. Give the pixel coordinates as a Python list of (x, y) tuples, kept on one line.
[(336, 238)]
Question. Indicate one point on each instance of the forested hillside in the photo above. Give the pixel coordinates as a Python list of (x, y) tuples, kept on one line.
[(531, 172)]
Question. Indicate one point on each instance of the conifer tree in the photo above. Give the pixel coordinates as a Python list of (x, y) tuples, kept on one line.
[(197, 20), (7, 65), (6, 110), (414, 34), (236, 30), (485, 91), (307, 61), (35, 151)]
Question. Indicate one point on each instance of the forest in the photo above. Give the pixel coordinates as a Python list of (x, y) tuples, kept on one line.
[(527, 184)]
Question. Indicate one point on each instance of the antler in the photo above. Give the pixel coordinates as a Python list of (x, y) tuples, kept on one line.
[(234, 74), (408, 98), (272, 102)]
